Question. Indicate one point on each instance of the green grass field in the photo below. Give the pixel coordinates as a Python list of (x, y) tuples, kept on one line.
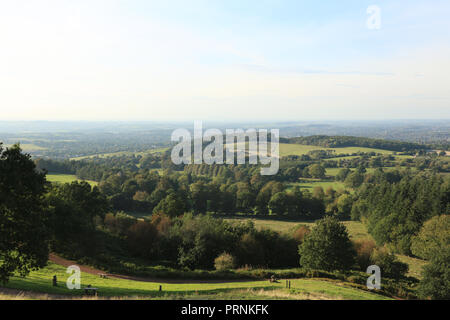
[(28, 147), (309, 184), (287, 149), (121, 153), (66, 178), (299, 149), (332, 172), (356, 229), (41, 281), (415, 265)]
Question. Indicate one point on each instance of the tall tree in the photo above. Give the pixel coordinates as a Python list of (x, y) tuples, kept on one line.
[(73, 208), (23, 220), (327, 247)]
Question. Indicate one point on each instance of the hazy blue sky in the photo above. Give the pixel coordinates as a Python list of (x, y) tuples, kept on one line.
[(223, 60)]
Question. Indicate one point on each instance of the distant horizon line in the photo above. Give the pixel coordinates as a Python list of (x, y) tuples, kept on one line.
[(233, 121)]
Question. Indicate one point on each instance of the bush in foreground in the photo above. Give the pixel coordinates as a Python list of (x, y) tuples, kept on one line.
[(327, 247)]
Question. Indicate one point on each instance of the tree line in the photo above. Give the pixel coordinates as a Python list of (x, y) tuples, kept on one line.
[(349, 141)]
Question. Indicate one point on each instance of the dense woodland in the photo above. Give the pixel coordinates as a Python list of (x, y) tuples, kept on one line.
[(185, 203)]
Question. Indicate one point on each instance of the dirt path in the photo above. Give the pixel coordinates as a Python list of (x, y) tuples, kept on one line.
[(64, 262)]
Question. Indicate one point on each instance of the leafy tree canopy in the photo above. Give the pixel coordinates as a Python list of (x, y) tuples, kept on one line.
[(23, 221)]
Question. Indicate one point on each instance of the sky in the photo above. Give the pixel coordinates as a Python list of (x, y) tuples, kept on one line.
[(224, 60)]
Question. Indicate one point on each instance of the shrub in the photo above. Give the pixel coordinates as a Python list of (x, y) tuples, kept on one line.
[(225, 261), (250, 251), (162, 223), (358, 279), (201, 239), (141, 237), (300, 233), (118, 223), (388, 263), (364, 249)]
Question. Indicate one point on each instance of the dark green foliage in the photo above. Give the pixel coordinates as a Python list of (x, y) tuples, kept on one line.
[(118, 223), (389, 265), (433, 237), (342, 174), (343, 207), (316, 171), (130, 185), (436, 277), (24, 232), (395, 211), (354, 179), (348, 141), (172, 205), (327, 247), (141, 238), (297, 204), (74, 208), (264, 196), (201, 239)]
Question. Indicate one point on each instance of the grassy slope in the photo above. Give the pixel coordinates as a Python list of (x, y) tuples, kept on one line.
[(299, 149), (309, 184), (356, 229), (120, 153), (415, 265), (41, 281), (66, 178), (28, 147)]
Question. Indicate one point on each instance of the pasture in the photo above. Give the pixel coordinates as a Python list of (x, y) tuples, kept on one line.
[(28, 147), (66, 178), (41, 281), (356, 229), (121, 153), (309, 184), (299, 149)]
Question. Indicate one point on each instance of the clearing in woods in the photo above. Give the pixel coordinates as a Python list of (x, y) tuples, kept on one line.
[(121, 153), (356, 229), (300, 149), (66, 178)]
